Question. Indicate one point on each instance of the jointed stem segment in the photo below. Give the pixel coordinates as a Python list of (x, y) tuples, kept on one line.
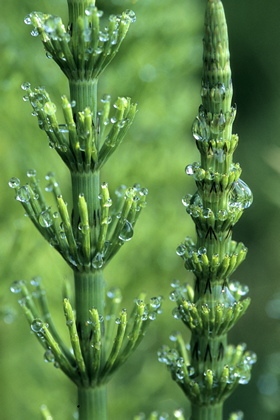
[(212, 369), (91, 230)]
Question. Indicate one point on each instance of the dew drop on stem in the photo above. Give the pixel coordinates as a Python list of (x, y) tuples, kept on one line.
[(126, 232), (49, 356), (45, 219), (36, 325), (14, 182), (23, 194), (241, 195), (16, 286)]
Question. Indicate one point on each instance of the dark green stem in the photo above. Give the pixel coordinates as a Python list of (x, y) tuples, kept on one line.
[(92, 403), (209, 412), (89, 293)]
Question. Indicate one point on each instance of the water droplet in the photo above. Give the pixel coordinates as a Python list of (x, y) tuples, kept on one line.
[(189, 170), (181, 249), (31, 172), (191, 370), (35, 281), (118, 321), (63, 128), (143, 191), (202, 251), (98, 50), (106, 99), (120, 191), (131, 15), (152, 316), (180, 362), (174, 295), (200, 128), (17, 286), (114, 294), (36, 325), (49, 356), (175, 283), (90, 10), (178, 414), (26, 86), (222, 215), (49, 176), (180, 374), (251, 357), (98, 261), (114, 38), (144, 317), (186, 200), (108, 203), (241, 195), (23, 194), (34, 32), (27, 20), (103, 36), (45, 219), (14, 182), (176, 313), (155, 302), (49, 187), (126, 232), (207, 213), (174, 336), (238, 288)]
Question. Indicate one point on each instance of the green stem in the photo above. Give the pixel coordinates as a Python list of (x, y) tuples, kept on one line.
[(92, 403), (89, 293), (208, 412), (84, 93)]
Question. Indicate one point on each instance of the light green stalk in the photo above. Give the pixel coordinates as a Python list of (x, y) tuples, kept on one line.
[(211, 370), (90, 234)]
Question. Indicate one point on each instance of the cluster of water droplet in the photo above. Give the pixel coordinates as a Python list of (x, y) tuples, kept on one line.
[(85, 140), (240, 195), (207, 387), (177, 414), (116, 223), (65, 47)]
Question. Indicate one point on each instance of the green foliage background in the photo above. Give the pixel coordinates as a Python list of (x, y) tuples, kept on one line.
[(159, 66)]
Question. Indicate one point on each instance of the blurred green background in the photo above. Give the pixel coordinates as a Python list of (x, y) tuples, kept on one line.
[(159, 66)]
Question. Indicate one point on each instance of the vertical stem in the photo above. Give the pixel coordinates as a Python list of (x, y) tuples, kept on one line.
[(89, 286), (84, 93), (89, 293), (209, 412), (92, 403)]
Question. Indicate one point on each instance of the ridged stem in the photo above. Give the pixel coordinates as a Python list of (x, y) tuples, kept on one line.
[(90, 293), (89, 286), (84, 93), (92, 403), (209, 412)]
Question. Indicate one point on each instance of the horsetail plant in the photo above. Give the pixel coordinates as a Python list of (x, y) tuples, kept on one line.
[(209, 369), (90, 233)]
